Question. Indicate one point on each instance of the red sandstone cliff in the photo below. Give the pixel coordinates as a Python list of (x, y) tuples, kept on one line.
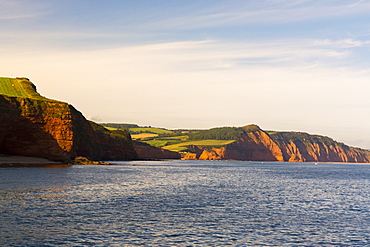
[(39, 127), (251, 145), (255, 144), (302, 147)]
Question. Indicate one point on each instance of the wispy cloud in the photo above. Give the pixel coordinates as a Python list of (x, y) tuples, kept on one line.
[(343, 43), (215, 55), (356, 3), (207, 55), (21, 9), (266, 11)]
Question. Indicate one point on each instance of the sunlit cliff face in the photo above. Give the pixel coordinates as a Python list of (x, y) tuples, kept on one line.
[(259, 146), (38, 127)]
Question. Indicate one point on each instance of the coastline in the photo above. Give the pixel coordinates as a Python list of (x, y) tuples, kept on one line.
[(23, 161)]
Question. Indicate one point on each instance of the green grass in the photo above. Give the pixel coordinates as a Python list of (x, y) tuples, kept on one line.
[(143, 136), (166, 140), (11, 87), (174, 138), (150, 130), (19, 87), (157, 137), (178, 140), (183, 145), (157, 143)]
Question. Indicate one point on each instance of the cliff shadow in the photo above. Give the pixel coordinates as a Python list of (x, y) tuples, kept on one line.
[(21, 136)]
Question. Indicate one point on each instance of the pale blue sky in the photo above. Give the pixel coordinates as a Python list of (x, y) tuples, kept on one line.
[(284, 65)]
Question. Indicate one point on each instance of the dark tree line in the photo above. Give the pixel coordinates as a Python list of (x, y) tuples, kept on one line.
[(223, 133)]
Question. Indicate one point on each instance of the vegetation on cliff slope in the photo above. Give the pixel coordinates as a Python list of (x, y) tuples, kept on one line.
[(301, 137), (183, 146), (20, 87), (180, 140), (115, 126), (250, 139)]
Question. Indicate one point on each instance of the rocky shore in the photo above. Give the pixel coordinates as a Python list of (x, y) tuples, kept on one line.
[(22, 161)]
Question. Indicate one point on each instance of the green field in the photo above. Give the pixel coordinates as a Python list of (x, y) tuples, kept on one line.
[(183, 145), (18, 87), (143, 136), (157, 143), (150, 130), (110, 128), (11, 87), (180, 140), (166, 140)]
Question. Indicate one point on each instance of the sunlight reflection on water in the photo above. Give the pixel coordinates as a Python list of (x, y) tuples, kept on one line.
[(185, 203)]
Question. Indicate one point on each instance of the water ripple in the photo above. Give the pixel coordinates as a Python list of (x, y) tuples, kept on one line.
[(186, 203)]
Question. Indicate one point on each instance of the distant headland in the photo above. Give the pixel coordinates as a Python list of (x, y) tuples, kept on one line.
[(41, 128), (249, 142)]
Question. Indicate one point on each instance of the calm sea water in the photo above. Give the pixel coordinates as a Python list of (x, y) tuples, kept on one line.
[(186, 203)]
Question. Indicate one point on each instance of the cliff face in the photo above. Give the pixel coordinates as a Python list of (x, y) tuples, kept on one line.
[(32, 125), (302, 147), (255, 144), (35, 128), (145, 151), (251, 145), (97, 143)]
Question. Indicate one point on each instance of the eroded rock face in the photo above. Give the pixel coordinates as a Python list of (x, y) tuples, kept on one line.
[(307, 148), (213, 154), (56, 131), (35, 128), (257, 145)]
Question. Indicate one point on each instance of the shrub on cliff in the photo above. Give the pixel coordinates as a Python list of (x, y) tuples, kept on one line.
[(120, 125), (121, 134)]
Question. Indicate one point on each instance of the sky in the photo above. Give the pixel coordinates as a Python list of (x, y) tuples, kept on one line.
[(295, 65)]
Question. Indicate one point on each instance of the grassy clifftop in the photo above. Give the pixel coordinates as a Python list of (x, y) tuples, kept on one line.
[(19, 87)]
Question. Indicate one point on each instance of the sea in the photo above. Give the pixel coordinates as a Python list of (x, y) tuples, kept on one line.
[(186, 203)]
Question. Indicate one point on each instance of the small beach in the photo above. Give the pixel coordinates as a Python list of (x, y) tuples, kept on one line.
[(8, 160)]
